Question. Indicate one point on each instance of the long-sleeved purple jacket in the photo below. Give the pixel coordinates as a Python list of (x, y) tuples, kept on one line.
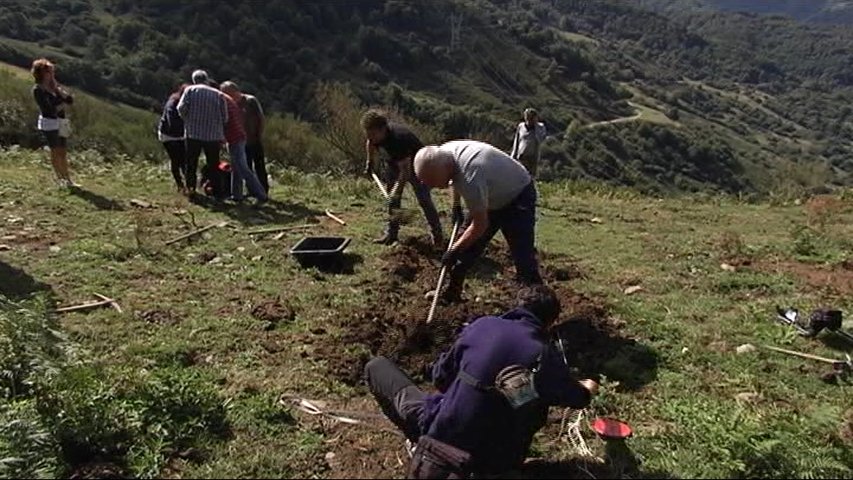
[(481, 422)]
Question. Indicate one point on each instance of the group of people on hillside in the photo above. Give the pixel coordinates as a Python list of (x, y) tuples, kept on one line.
[(498, 379), (201, 118)]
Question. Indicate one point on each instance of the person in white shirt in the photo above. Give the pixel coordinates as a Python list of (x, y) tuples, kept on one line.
[(526, 147)]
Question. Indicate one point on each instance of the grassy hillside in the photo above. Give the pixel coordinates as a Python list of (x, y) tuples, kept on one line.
[(216, 330), (98, 124), (580, 63)]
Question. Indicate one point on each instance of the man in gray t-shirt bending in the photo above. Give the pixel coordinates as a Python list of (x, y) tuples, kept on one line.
[(499, 194)]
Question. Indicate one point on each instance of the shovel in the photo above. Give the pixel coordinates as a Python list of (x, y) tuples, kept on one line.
[(380, 185), (442, 275), (401, 215)]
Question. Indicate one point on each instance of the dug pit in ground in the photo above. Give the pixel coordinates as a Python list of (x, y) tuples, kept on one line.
[(392, 322)]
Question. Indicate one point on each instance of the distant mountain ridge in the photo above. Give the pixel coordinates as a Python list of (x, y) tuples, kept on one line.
[(838, 12)]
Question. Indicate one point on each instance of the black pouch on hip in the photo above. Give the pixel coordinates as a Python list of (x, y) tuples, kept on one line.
[(437, 460)]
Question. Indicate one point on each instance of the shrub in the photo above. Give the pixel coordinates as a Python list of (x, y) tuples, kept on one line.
[(57, 416), (29, 348), (290, 142), (27, 449), (136, 421)]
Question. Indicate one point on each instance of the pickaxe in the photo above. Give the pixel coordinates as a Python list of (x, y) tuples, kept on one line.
[(89, 306)]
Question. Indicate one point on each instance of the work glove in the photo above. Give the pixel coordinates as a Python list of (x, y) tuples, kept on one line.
[(458, 215), (450, 258)]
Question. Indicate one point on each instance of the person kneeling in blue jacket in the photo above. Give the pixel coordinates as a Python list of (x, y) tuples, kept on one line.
[(495, 386)]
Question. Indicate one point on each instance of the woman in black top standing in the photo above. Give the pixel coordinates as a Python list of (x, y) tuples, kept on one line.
[(171, 133), (52, 99)]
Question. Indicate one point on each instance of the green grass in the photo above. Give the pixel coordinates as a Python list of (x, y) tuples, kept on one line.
[(691, 417)]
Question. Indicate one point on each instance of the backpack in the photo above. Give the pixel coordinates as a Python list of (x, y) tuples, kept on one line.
[(216, 182)]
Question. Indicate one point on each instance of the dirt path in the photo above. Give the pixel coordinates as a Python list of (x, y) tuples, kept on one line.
[(632, 118)]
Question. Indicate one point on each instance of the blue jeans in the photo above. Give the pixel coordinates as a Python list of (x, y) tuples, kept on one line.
[(424, 196), (240, 171), (517, 223)]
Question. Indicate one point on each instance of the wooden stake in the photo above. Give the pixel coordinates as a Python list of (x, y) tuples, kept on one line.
[(333, 217), (280, 229), (195, 232), (804, 355)]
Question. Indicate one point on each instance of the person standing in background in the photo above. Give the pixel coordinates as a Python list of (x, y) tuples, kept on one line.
[(205, 114), (170, 132), (235, 135), (527, 145), (52, 99), (254, 123)]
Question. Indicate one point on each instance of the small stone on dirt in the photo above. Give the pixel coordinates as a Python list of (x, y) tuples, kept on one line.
[(728, 268), (634, 289), (140, 203), (5, 248), (745, 348), (206, 257), (8, 238), (272, 346), (596, 220), (257, 258), (55, 248)]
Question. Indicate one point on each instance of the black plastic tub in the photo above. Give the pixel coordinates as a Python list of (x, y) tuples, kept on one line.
[(320, 251)]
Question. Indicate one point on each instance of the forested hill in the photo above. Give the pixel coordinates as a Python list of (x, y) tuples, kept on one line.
[(839, 12), (137, 51), (701, 99)]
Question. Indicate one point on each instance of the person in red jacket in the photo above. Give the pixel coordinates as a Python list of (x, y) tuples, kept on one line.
[(235, 136)]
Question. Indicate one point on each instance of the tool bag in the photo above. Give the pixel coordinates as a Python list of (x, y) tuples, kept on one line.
[(516, 384), (216, 182), (433, 459)]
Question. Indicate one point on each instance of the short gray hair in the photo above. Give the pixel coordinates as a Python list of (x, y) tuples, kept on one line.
[(199, 77), (229, 85), (430, 157)]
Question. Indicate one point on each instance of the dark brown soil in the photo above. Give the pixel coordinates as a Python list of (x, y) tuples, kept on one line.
[(98, 470), (838, 279), (392, 322), (159, 317), (273, 312)]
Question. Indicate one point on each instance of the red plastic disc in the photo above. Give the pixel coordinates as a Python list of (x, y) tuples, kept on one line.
[(610, 428)]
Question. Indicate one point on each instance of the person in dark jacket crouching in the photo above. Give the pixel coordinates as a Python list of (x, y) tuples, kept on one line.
[(485, 415)]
